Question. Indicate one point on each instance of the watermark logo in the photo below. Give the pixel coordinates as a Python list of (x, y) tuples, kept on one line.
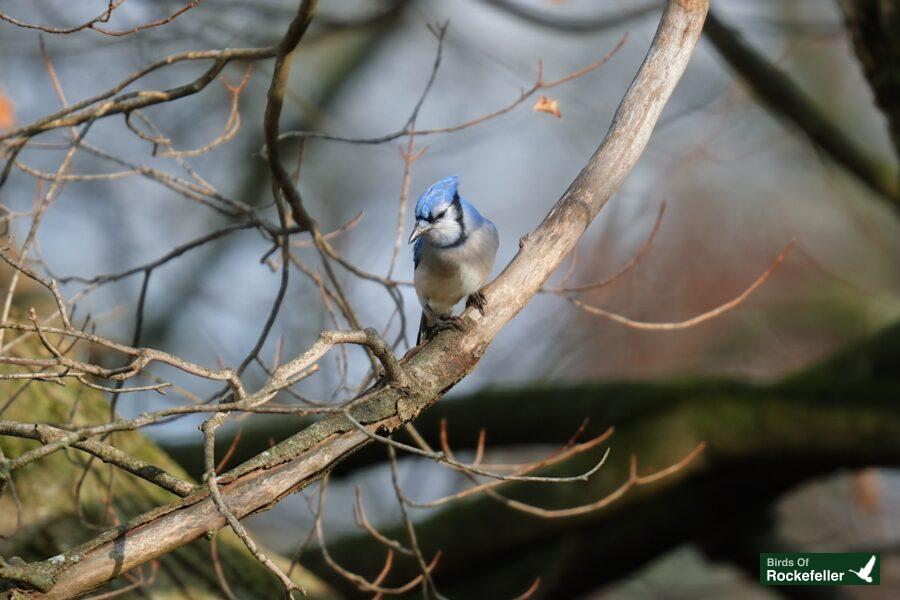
[(819, 568)]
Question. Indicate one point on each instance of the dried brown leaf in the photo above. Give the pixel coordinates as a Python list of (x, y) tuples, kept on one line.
[(6, 112), (546, 105)]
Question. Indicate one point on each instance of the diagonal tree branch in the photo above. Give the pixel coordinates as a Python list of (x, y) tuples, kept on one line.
[(430, 371)]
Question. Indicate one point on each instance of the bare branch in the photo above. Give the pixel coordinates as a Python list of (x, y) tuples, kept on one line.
[(49, 284), (639, 255), (94, 23), (361, 582), (693, 321), (80, 113), (408, 129), (633, 480), (109, 454), (209, 431)]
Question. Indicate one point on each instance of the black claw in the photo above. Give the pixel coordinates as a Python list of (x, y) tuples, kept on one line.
[(478, 301), (452, 322)]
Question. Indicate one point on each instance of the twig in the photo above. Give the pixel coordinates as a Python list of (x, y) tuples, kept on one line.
[(424, 569), (441, 457), (706, 316), (363, 522), (209, 431), (359, 581), (633, 480), (638, 256), (49, 284), (538, 85)]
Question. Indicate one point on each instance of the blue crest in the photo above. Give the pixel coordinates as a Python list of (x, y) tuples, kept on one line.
[(439, 193)]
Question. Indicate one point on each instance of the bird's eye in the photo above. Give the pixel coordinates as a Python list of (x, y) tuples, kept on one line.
[(440, 215)]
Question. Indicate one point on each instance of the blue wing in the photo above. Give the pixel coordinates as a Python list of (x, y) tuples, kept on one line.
[(417, 251)]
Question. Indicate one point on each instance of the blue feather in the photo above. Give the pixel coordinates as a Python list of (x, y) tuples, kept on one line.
[(417, 252), (474, 217), (439, 193)]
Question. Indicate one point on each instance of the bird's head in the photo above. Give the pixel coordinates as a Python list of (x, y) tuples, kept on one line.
[(439, 214)]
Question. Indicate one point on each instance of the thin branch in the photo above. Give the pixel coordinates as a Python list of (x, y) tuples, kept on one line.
[(519, 470), (94, 24), (424, 568), (108, 454), (209, 431), (363, 522), (103, 17), (217, 567), (633, 480), (538, 85), (358, 580), (442, 458), (693, 321), (80, 113), (49, 284), (638, 256)]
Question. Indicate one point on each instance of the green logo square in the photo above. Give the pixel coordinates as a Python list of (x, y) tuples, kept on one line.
[(819, 568)]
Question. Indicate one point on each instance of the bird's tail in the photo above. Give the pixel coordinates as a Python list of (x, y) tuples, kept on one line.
[(423, 326)]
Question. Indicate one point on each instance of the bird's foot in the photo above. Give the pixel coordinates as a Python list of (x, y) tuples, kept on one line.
[(444, 323), (477, 300)]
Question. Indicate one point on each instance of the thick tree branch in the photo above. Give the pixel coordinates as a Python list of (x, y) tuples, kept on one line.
[(432, 370)]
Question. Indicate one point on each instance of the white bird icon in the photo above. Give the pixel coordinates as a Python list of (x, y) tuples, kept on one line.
[(866, 572)]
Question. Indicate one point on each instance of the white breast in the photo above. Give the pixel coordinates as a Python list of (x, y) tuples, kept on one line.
[(447, 275)]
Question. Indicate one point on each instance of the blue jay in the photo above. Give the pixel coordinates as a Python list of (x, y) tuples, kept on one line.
[(453, 254)]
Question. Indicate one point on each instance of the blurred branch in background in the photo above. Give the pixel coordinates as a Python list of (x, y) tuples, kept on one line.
[(782, 97), (874, 27), (94, 24), (775, 89)]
